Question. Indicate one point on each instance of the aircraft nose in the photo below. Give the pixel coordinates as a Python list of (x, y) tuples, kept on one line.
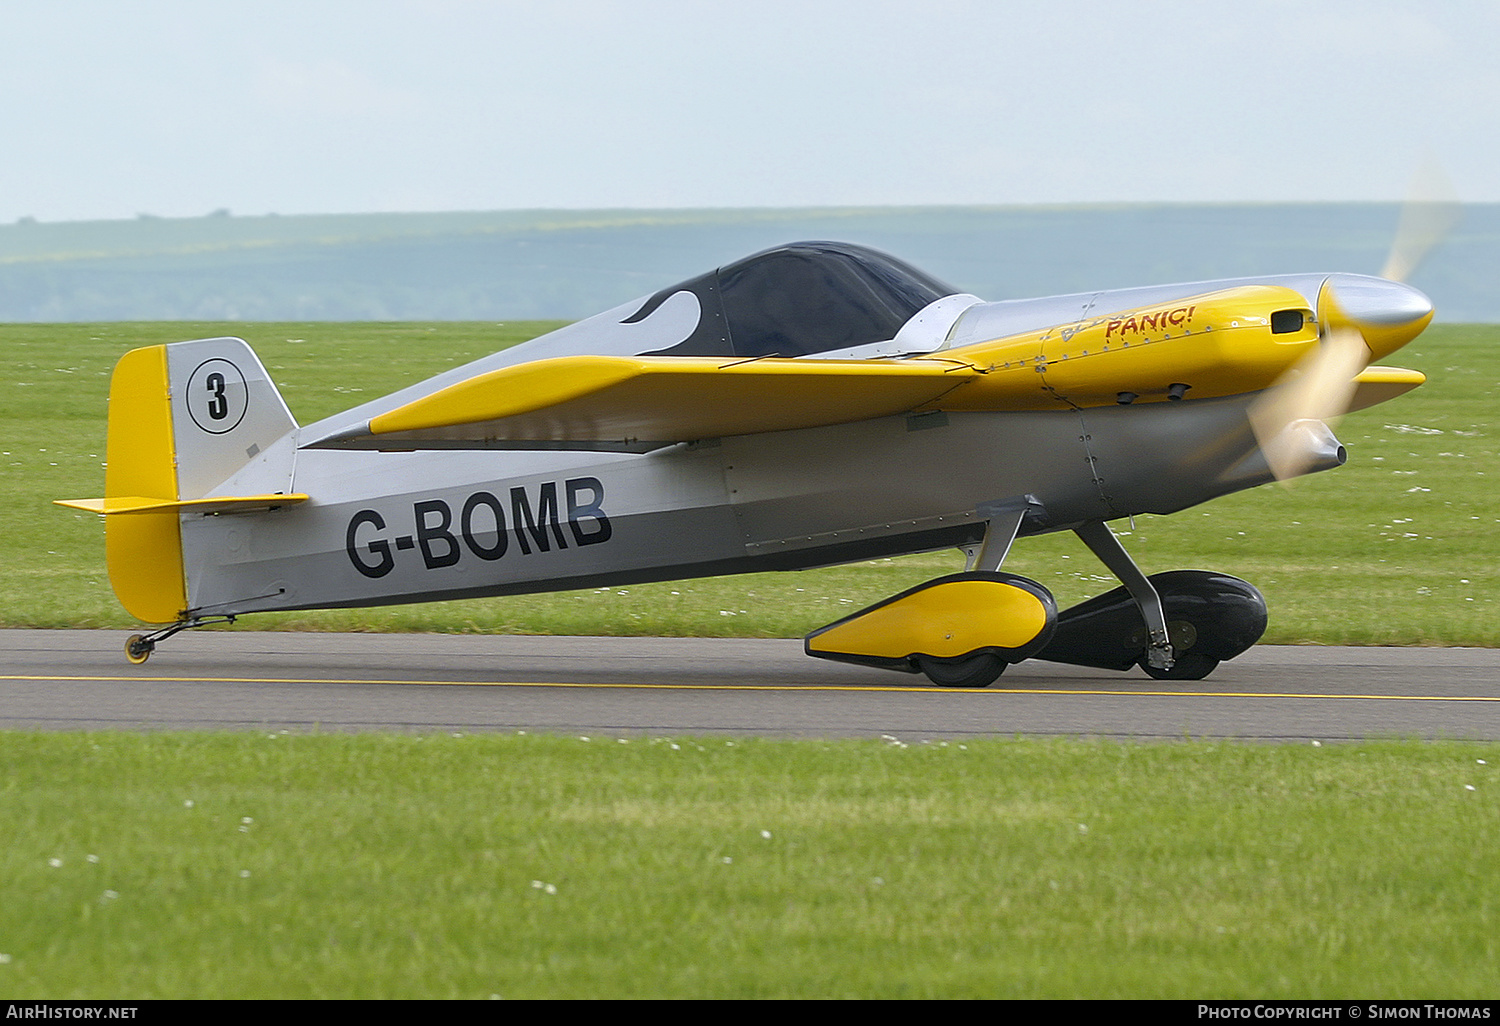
[(1387, 313)]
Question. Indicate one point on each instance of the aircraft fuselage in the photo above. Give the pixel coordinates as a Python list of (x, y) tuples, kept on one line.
[(420, 526)]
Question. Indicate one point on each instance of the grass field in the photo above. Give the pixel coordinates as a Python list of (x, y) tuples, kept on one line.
[(383, 866), (270, 865), (1399, 547)]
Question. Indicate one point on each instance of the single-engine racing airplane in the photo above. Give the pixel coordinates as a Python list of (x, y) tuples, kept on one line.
[(813, 404)]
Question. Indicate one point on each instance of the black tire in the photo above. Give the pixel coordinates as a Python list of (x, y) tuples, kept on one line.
[(1189, 666), (975, 671), (138, 648)]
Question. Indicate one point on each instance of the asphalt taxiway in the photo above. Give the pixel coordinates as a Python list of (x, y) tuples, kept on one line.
[(80, 680)]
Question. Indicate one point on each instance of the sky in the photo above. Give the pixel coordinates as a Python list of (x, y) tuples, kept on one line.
[(177, 108)]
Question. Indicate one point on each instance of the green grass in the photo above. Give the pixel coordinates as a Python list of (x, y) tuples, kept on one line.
[(378, 866), (1398, 547), (255, 865)]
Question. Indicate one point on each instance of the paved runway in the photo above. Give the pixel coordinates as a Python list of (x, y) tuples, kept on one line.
[(74, 680)]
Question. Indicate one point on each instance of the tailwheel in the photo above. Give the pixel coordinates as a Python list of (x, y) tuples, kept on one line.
[(975, 671), (138, 648)]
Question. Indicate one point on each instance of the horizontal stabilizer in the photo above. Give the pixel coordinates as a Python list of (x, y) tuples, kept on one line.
[(218, 504), (641, 403)]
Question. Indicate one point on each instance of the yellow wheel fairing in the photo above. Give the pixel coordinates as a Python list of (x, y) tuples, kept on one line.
[(949, 618)]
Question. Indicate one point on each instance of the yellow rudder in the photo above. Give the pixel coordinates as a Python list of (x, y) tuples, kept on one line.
[(143, 550)]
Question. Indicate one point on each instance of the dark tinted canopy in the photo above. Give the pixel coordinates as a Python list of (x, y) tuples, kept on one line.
[(805, 297)]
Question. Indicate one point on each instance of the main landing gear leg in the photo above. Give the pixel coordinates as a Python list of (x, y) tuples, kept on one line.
[(138, 647), (1177, 625), (1103, 543), (999, 534)]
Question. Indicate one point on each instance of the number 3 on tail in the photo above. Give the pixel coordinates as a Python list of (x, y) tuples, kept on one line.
[(217, 396)]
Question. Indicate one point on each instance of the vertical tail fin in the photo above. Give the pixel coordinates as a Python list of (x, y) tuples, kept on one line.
[(188, 422), (228, 419)]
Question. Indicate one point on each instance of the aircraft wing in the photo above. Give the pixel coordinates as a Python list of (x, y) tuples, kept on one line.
[(635, 404), (1229, 342)]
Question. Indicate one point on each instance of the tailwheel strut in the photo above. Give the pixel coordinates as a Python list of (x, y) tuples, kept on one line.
[(138, 647)]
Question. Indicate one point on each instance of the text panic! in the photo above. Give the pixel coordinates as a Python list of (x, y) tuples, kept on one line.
[(1153, 321), (482, 528)]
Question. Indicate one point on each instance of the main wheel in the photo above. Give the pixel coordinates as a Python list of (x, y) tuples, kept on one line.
[(975, 671), (1189, 666), (138, 648)]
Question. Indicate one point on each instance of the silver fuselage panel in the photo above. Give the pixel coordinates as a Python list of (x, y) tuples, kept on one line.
[(386, 527)]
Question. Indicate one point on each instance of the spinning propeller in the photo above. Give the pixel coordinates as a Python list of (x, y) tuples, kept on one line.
[(1360, 319)]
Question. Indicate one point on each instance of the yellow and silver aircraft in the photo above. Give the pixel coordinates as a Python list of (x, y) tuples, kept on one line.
[(813, 404)]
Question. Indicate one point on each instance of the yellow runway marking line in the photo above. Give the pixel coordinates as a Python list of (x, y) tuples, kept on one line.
[(921, 689)]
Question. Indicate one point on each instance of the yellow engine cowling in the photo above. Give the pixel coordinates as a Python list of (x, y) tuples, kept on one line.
[(1221, 343)]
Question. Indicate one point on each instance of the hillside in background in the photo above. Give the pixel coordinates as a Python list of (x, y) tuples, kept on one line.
[(513, 265)]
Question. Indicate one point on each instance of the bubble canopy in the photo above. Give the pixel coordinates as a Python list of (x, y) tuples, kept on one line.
[(799, 299)]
